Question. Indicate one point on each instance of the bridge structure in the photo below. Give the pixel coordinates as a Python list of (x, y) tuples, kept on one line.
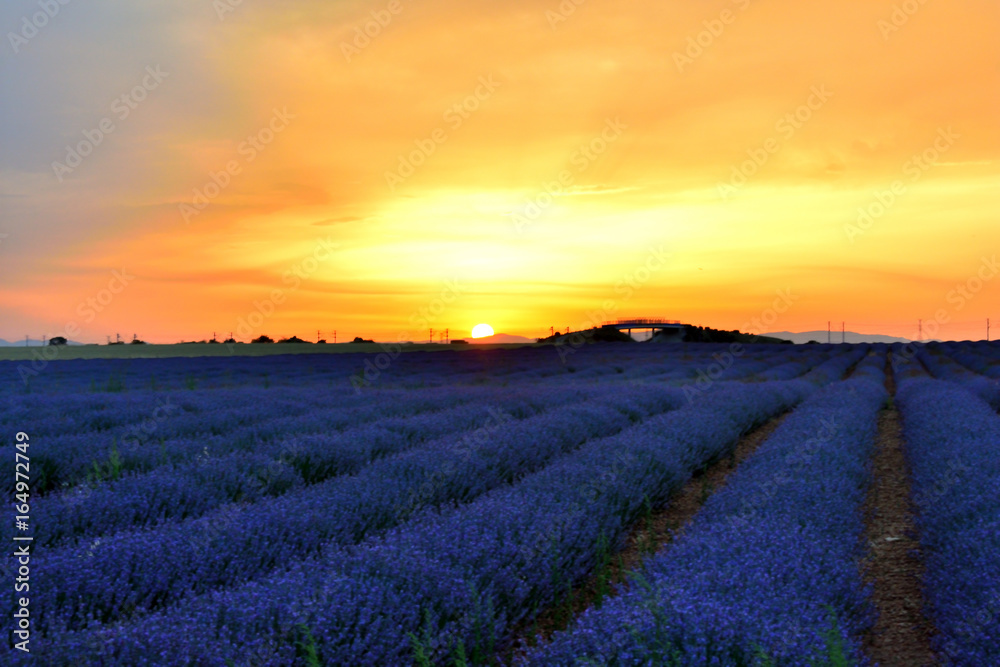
[(674, 328)]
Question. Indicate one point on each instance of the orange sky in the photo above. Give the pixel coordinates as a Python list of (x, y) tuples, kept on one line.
[(646, 138)]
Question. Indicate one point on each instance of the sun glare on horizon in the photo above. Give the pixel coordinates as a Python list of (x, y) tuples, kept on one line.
[(482, 331)]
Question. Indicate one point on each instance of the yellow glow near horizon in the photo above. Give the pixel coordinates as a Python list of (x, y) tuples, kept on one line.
[(482, 331)]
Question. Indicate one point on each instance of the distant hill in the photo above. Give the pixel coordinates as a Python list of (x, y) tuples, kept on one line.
[(849, 337), (32, 342), (500, 338)]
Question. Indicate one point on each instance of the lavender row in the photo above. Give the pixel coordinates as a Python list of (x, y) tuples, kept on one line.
[(274, 466), (332, 372), (144, 570), (980, 357), (81, 413), (767, 572), (142, 432), (260, 422), (451, 578), (206, 482), (953, 440), (943, 367)]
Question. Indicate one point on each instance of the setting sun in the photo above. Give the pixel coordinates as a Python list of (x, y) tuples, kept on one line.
[(482, 331)]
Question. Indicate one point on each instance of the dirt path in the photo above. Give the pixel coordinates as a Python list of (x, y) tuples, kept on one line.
[(901, 635), (649, 534)]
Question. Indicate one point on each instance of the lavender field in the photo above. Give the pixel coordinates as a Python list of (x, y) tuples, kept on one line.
[(477, 507)]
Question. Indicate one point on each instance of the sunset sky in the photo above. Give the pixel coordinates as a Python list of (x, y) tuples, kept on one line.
[(525, 163)]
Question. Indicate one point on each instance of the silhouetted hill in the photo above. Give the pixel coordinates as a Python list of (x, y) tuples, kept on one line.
[(595, 335), (693, 334)]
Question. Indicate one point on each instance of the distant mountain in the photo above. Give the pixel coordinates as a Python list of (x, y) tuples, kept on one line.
[(500, 338), (849, 337)]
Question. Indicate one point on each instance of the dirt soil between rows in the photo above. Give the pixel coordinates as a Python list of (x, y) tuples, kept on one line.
[(648, 534), (894, 567)]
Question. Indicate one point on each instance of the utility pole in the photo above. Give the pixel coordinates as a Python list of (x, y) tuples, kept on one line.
[(334, 336), (920, 329), (430, 335), (987, 329), (26, 340), (828, 340), (447, 336), (843, 334)]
